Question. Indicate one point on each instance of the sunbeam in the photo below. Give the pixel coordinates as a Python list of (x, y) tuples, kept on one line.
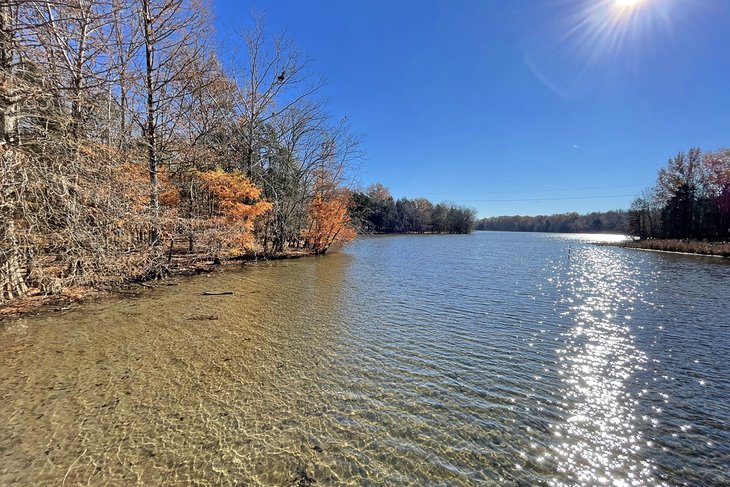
[(593, 36)]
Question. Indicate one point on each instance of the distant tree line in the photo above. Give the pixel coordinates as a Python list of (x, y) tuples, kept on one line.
[(597, 222), (690, 200), (376, 211)]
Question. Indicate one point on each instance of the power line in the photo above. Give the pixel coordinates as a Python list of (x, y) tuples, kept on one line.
[(521, 191), (538, 199)]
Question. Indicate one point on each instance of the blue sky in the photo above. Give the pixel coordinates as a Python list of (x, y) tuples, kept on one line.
[(515, 106)]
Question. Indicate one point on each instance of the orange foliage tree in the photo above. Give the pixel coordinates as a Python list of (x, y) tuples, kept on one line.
[(135, 182), (234, 205), (329, 217)]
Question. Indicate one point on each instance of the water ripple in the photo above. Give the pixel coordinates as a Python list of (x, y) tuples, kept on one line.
[(487, 359)]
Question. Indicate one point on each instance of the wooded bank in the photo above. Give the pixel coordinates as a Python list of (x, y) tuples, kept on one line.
[(129, 151), (690, 200), (595, 222), (376, 211)]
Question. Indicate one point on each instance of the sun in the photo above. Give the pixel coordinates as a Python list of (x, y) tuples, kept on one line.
[(626, 3)]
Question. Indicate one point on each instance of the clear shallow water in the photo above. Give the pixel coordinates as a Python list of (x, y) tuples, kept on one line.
[(487, 359)]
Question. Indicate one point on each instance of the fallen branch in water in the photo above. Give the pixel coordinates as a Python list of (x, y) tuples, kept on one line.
[(203, 317)]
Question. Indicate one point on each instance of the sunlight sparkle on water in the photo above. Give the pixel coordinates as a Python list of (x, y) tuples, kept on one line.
[(356, 372), (600, 441)]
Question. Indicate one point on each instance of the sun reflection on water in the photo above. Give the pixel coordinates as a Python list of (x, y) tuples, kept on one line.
[(599, 443), (542, 361)]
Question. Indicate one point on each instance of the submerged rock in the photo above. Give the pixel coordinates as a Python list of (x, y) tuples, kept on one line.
[(302, 478)]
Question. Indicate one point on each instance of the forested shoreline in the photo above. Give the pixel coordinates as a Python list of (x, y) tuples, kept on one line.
[(595, 222), (131, 148), (376, 211), (689, 201), (687, 210)]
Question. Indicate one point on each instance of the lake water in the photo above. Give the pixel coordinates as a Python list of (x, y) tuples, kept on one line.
[(484, 359)]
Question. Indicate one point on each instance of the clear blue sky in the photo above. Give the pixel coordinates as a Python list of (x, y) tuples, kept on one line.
[(515, 106)]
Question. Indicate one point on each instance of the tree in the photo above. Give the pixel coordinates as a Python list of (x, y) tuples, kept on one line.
[(422, 222), (124, 41), (439, 218), (607, 222), (691, 199), (72, 42), (173, 35), (121, 129), (716, 180), (384, 215), (677, 186), (234, 205), (288, 166), (272, 78), (376, 211), (9, 95), (12, 283), (461, 220), (643, 215), (329, 219)]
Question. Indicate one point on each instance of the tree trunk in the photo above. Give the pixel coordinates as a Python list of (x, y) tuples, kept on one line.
[(12, 283), (151, 125), (8, 101), (78, 84), (191, 217)]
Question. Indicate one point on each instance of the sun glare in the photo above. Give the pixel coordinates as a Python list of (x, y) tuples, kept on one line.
[(594, 35), (626, 3)]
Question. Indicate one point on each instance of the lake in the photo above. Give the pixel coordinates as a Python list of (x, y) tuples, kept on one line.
[(483, 359)]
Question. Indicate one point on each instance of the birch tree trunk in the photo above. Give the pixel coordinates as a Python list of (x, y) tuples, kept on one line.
[(12, 282), (8, 97)]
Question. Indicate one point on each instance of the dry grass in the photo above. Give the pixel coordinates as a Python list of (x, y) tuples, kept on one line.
[(686, 246)]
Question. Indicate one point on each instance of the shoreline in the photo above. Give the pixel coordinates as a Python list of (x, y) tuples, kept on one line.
[(683, 247), (36, 304)]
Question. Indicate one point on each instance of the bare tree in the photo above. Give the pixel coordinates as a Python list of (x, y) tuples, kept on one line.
[(272, 77), (173, 34), (124, 43), (71, 39), (203, 134)]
